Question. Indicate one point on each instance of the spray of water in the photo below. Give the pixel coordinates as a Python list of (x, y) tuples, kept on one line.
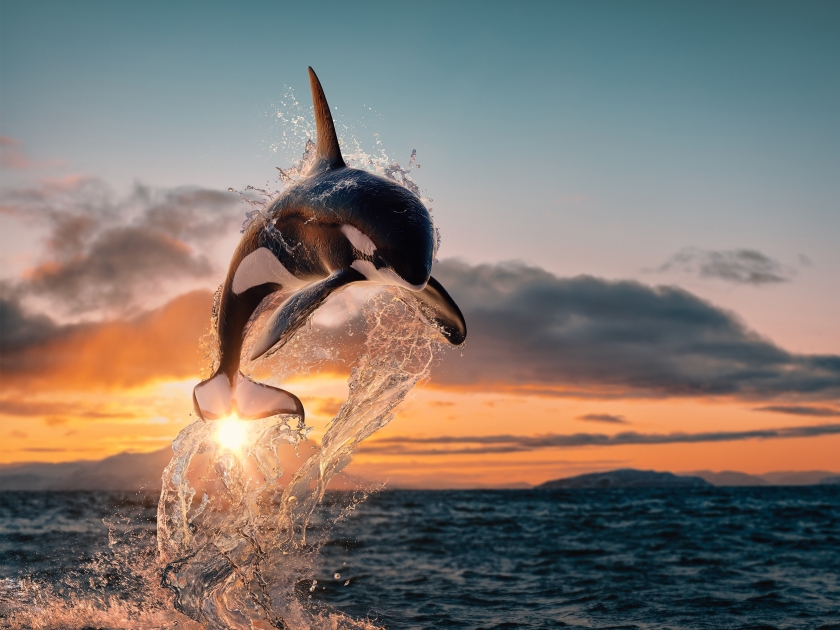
[(293, 129), (243, 553)]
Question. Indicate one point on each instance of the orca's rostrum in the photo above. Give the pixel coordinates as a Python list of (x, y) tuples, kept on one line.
[(337, 226)]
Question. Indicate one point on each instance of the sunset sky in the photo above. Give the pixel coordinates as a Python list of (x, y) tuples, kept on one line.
[(639, 206)]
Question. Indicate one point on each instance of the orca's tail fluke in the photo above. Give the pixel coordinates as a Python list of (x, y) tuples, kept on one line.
[(328, 155), (218, 397)]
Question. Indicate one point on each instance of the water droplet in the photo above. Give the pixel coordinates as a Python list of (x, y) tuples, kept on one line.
[(337, 576), (230, 189), (312, 588), (347, 583)]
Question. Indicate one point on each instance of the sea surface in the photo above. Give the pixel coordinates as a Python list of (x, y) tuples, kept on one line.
[(766, 557)]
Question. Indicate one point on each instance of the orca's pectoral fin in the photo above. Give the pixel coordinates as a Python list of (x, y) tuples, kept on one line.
[(436, 304), (216, 398), (294, 312)]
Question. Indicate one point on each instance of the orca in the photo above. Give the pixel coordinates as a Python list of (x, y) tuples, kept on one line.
[(336, 226)]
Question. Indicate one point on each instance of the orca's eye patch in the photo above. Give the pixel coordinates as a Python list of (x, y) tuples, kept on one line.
[(359, 240)]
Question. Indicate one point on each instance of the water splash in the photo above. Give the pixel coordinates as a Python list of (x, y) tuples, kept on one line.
[(292, 126), (243, 553), (260, 198)]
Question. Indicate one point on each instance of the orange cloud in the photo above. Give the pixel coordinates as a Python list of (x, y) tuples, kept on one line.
[(511, 396), (159, 345)]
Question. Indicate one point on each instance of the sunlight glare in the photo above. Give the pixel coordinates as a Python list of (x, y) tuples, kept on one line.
[(231, 433)]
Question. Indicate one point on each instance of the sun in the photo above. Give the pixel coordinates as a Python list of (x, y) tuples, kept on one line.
[(231, 433)]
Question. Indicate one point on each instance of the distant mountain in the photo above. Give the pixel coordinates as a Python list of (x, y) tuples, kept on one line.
[(126, 471), (780, 478), (729, 478), (626, 478), (142, 471), (797, 478)]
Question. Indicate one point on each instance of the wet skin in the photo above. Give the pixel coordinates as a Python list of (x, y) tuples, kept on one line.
[(337, 226)]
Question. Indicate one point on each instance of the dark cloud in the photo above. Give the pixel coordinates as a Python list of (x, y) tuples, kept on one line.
[(40, 355), (117, 263), (532, 331), (103, 251), (518, 443), (19, 328), (742, 266), (796, 410), (603, 417)]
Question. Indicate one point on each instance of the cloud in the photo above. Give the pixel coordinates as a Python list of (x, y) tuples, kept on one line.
[(533, 332), (517, 443), (114, 265), (328, 406), (14, 157), (603, 417), (529, 332), (39, 354), (741, 266), (19, 329), (105, 252), (794, 410), (54, 410)]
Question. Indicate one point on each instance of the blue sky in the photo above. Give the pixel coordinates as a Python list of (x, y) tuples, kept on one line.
[(585, 137)]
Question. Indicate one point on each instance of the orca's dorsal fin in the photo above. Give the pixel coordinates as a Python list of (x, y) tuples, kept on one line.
[(328, 155)]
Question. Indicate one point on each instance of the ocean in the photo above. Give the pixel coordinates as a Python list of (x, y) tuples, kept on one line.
[(759, 557)]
